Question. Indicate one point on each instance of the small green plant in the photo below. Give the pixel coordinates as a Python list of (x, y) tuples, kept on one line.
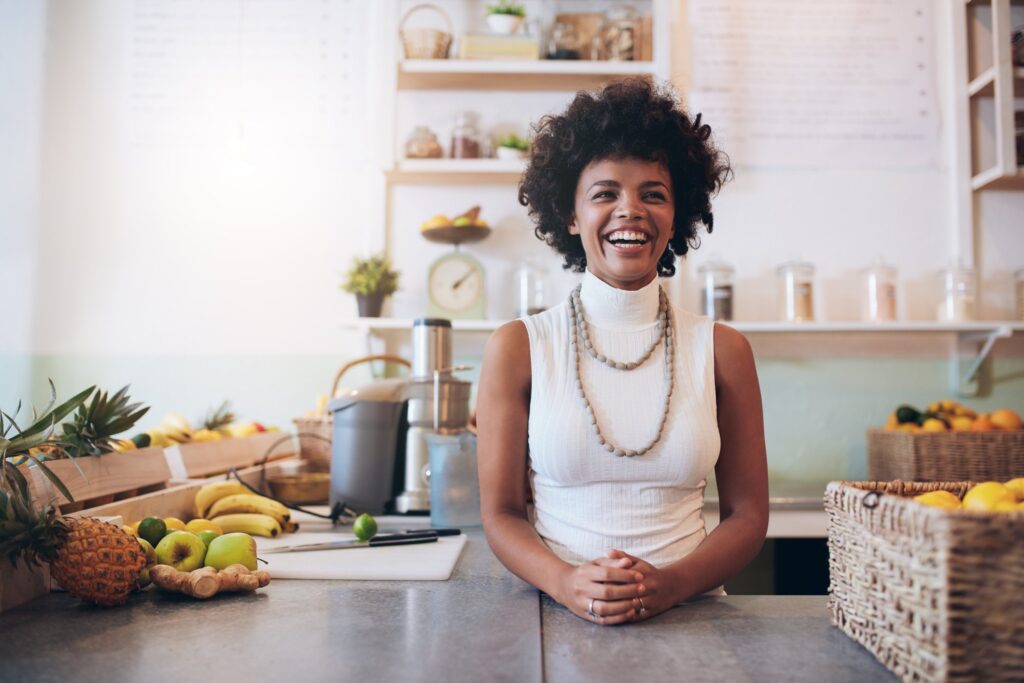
[(514, 141), (371, 275), (507, 7)]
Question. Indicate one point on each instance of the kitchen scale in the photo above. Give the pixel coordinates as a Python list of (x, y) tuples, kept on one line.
[(456, 281)]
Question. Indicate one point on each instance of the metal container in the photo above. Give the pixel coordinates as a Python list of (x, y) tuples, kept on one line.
[(431, 347)]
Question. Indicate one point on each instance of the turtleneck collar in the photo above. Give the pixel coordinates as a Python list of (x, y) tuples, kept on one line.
[(618, 309)]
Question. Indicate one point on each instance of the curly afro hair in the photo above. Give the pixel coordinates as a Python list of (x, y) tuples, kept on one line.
[(627, 119)]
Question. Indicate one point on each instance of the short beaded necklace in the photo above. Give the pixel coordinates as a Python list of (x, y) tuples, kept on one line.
[(578, 331)]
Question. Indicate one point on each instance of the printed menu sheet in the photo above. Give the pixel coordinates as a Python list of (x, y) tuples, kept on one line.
[(805, 83)]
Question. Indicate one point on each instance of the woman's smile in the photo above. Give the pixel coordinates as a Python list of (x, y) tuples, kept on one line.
[(623, 213)]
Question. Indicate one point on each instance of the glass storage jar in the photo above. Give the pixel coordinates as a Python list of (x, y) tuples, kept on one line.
[(796, 288), (466, 137), (878, 294), (716, 289), (530, 278), (957, 304), (423, 144), (618, 33)]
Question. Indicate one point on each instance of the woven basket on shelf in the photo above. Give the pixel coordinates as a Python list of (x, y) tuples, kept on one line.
[(425, 43), (315, 432), (935, 595), (945, 456)]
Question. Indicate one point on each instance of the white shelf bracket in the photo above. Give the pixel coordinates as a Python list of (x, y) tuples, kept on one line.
[(972, 350)]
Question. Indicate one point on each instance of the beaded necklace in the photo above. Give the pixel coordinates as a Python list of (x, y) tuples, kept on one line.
[(578, 331)]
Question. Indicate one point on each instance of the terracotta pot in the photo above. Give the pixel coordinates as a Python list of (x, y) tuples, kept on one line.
[(370, 305)]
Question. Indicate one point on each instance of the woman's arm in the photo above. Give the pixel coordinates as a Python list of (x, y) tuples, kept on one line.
[(741, 473), (503, 402)]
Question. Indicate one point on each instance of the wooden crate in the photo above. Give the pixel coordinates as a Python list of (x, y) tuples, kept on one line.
[(96, 480), (209, 458), (19, 584)]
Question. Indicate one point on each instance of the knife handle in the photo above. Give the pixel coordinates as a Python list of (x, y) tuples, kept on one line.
[(439, 532), (403, 540)]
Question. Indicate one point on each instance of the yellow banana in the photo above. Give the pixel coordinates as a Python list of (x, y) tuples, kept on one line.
[(211, 493), (250, 502), (249, 523)]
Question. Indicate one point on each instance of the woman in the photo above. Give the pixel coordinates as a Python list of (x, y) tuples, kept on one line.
[(611, 409)]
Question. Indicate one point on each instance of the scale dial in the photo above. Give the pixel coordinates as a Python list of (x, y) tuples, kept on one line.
[(455, 287)]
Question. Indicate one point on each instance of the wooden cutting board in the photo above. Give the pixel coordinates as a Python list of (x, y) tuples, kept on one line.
[(420, 562)]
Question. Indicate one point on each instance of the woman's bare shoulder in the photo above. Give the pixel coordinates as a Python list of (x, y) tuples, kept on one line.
[(507, 354), (733, 355)]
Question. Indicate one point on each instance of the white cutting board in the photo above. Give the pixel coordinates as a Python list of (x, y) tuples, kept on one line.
[(418, 562)]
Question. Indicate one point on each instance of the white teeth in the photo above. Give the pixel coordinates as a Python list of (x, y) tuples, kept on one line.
[(628, 235)]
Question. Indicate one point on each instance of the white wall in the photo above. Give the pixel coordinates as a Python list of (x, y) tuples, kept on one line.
[(22, 27)]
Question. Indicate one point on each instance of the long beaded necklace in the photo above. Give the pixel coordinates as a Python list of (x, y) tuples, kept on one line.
[(579, 336)]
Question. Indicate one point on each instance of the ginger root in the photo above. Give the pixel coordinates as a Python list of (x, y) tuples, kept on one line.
[(207, 582)]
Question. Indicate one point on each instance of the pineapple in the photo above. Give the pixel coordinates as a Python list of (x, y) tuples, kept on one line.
[(91, 559), (218, 420), (94, 425)]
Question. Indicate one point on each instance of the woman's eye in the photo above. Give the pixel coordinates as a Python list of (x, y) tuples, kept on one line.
[(655, 195), (604, 194)]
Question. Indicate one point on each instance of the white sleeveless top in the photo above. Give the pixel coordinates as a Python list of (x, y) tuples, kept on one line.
[(586, 499)]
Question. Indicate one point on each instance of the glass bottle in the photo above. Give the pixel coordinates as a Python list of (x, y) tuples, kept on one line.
[(466, 137), (530, 279), (878, 294), (796, 282), (957, 304), (716, 290)]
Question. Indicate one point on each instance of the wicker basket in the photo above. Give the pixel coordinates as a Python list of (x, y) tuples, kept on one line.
[(935, 595), (425, 43), (315, 432), (945, 456)]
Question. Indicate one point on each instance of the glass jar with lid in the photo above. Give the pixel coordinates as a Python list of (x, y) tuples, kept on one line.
[(530, 278), (423, 144), (878, 294), (716, 291), (796, 289), (957, 303), (564, 42), (618, 33), (466, 139)]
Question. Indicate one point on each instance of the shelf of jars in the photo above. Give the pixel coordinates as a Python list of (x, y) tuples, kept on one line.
[(971, 329)]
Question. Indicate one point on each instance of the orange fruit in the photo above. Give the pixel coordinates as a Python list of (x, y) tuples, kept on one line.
[(987, 496), (961, 423), (982, 424), (1004, 418), (939, 499), (892, 422), (933, 425)]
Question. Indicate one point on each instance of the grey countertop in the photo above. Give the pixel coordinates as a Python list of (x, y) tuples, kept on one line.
[(482, 624)]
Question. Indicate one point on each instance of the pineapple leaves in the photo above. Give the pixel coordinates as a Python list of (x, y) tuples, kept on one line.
[(53, 416), (95, 423), (54, 479)]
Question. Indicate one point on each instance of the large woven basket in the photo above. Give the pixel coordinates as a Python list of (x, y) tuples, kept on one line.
[(315, 432), (425, 43), (935, 595), (945, 456)]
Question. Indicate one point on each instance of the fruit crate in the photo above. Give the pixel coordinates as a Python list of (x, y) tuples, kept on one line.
[(945, 456), (209, 458), (97, 480), (933, 594)]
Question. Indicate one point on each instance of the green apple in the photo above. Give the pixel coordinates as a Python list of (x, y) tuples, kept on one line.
[(229, 549), (182, 550), (207, 535), (151, 560), (462, 221)]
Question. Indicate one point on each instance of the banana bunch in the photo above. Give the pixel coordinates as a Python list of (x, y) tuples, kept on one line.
[(233, 507)]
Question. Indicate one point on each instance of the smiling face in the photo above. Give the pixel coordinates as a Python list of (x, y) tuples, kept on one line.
[(624, 212)]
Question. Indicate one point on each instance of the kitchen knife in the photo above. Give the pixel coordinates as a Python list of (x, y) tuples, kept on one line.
[(378, 541)]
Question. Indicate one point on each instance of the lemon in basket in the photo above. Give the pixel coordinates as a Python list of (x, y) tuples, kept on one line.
[(939, 499), (1017, 487), (987, 496)]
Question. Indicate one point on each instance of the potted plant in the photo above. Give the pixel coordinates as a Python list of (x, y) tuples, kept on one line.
[(512, 146), (371, 279), (506, 17)]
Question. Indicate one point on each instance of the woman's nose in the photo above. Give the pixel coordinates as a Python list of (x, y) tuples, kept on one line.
[(629, 208)]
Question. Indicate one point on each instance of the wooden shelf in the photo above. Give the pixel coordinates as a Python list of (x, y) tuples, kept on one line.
[(456, 74), (984, 84), (473, 171), (995, 179)]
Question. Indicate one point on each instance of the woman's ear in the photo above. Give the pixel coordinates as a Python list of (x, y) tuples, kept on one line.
[(573, 228)]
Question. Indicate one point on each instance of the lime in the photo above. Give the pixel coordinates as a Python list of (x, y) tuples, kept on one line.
[(365, 527), (152, 529)]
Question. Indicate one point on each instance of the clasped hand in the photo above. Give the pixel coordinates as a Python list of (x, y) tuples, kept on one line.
[(614, 589)]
